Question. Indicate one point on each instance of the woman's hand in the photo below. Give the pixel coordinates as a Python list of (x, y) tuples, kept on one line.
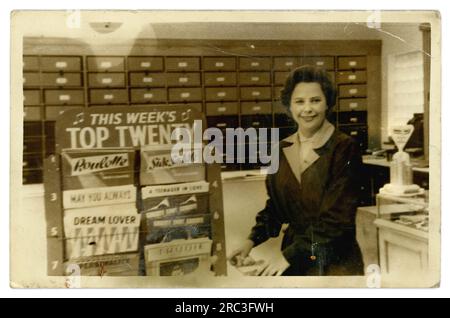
[(238, 256), (275, 266)]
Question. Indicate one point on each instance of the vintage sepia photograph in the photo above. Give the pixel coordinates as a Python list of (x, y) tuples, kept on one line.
[(225, 149)]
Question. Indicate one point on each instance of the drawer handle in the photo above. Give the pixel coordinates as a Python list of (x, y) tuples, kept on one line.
[(147, 79), (24, 80), (105, 64), (352, 77), (221, 94), (24, 97), (254, 64), (320, 63), (354, 119), (25, 147), (107, 80), (218, 247), (61, 64), (255, 79), (352, 63), (290, 63), (220, 64), (185, 95), (148, 95), (61, 80), (353, 105), (353, 133), (256, 93), (146, 64), (256, 108), (182, 64), (108, 96), (221, 125), (64, 97), (25, 164), (256, 123), (222, 109), (183, 80), (353, 91), (220, 79)]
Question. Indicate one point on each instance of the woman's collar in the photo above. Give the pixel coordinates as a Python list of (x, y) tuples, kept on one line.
[(319, 139)]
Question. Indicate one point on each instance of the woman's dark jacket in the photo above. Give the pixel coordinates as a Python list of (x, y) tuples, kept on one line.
[(319, 204)]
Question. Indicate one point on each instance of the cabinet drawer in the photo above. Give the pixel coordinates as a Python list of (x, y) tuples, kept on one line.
[(217, 109), (282, 116), (220, 79), (61, 63), (350, 104), (64, 97), (147, 79), (256, 121), (32, 162), (277, 92), (32, 176), (197, 106), (254, 78), (32, 129), (32, 145), (254, 63), (49, 129), (142, 95), (221, 93), (106, 80), (280, 78), (185, 94), (145, 63), (108, 96), (178, 64), (251, 108), (49, 146), (352, 77), (32, 113), (61, 80), (223, 122), (31, 97), (286, 131), (352, 117), (183, 79), (285, 63), (325, 62), (31, 79), (284, 120), (52, 112), (255, 93), (352, 91), (30, 63), (219, 63), (105, 63), (359, 133), (351, 62)]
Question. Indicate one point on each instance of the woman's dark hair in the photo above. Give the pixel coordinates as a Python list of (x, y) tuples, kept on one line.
[(309, 74)]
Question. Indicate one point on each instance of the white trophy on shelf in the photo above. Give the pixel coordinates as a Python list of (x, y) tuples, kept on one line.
[(401, 181)]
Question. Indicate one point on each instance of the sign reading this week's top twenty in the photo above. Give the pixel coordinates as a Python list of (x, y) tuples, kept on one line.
[(113, 126)]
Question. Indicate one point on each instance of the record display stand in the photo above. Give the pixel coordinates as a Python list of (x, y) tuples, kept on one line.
[(93, 188)]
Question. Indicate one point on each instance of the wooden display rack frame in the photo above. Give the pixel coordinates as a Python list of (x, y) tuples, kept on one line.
[(54, 211)]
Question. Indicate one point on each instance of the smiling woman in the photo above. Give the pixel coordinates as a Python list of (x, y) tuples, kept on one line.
[(315, 190)]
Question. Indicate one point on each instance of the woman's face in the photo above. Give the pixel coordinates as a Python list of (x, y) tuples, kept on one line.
[(308, 107)]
